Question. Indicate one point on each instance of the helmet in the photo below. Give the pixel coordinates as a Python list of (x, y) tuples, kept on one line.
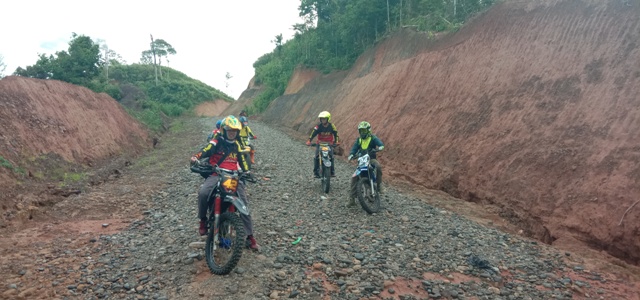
[(325, 114), (219, 123), (243, 120), (230, 123), (364, 128)]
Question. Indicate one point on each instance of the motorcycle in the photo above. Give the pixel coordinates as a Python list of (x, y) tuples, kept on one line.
[(226, 234), (324, 165), (367, 185)]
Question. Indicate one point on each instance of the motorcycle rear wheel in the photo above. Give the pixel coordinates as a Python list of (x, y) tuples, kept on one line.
[(229, 244), (369, 202)]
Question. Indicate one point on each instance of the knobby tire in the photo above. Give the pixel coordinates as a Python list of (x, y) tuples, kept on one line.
[(363, 188), (237, 246)]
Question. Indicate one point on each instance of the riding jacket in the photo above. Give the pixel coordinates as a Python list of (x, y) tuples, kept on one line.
[(370, 142), (218, 147), (327, 134)]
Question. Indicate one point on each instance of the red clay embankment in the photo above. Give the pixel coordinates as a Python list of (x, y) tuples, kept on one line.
[(49, 126), (532, 107)]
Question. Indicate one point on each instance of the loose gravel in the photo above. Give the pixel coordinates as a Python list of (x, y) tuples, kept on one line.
[(410, 250)]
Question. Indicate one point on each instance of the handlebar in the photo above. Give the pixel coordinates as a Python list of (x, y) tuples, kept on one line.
[(361, 153), (326, 144), (199, 166)]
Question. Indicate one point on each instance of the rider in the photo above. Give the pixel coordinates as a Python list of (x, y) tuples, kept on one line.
[(366, 142), (327, 133), (245, 133), (226, 146), (214, 134)]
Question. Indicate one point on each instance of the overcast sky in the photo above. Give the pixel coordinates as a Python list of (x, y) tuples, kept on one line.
[(211, 37)]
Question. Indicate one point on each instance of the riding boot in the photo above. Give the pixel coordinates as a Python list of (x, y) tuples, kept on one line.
[(316, 167)]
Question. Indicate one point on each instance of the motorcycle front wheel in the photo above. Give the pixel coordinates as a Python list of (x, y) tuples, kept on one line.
[(326, 179), (224, 251), (370, 203)]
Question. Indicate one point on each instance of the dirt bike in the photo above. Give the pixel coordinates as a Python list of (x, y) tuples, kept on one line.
[(324, 165), (367, 185), (226, 234)]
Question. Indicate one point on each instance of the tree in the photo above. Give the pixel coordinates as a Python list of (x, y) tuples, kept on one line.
[(227, 77), (3, 66), (108, 57), (158, 49), (146, 58), (155, 65), (42, 69), (278, 42), (162, 49), (80, 63)]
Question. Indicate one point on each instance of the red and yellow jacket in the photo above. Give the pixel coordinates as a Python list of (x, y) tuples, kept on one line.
[(327, 134), (218, 147)]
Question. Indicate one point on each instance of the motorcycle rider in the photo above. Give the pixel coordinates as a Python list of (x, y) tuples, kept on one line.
[(365, 142), (216, 131), (327, 133), (225, 147), (245, 133)]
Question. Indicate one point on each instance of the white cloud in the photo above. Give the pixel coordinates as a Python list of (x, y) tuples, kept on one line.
[(211, 37)]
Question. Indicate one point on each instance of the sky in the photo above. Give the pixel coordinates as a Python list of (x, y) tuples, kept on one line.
[(211, 37)]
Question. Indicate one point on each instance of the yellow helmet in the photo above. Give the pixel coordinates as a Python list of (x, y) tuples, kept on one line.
[(325, 114), (231, 122)]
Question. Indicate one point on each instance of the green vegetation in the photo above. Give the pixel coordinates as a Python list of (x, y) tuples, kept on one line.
[(175, 93), (151, 92), (335, 33), (73, 177), (8, 165)]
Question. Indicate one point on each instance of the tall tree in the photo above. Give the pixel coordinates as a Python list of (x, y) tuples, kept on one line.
[(159, 48), (227, 77), (155, 65), (162, 49), (278, 42), (3, 66)]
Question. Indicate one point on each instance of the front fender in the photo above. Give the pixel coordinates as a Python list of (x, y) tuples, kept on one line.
[(238, 203)]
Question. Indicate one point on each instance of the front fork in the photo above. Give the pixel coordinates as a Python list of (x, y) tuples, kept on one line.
[(217, 203), (373, 187), (372, 184), (217, 210)]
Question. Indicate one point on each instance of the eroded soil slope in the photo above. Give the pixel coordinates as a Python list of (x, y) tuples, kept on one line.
[(532, 107), (50, 132), (211, 109), (245, 99)]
